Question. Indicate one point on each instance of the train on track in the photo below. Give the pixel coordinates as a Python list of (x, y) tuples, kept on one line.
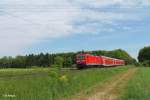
[(85, 60)]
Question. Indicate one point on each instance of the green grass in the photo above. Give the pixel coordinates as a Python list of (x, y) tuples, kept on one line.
[(16, 72), (138, 88), (36, 84)]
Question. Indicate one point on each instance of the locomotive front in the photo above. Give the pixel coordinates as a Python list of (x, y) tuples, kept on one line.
[(81, 60)]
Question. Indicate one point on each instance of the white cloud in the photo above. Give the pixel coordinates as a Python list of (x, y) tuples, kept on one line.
[(121, 3), (146, 2), (24, 22)]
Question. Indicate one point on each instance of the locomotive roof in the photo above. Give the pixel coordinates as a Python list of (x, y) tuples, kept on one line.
[(99, 56)]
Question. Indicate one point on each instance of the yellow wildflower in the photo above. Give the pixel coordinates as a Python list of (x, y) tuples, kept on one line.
[(63, 78)]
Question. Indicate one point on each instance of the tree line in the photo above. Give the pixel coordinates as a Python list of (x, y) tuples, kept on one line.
[(47, 60)]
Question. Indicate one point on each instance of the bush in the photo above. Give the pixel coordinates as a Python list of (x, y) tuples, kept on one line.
[(137, 64), (146, 63)]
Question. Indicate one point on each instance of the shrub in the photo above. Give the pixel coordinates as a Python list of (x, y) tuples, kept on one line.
[(137, 64), (146, 63)]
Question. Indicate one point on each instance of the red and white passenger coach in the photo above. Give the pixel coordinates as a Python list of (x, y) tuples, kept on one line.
[(85, 60)]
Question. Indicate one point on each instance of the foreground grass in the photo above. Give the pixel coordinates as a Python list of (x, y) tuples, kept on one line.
[(138, 87), (32, 84)]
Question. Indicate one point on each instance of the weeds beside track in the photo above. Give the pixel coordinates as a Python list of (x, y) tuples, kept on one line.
[(42, 87)]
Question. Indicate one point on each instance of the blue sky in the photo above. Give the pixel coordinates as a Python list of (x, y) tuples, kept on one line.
[(34, 26)]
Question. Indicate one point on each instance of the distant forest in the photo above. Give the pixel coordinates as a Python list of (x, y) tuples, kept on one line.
[(47, 60)]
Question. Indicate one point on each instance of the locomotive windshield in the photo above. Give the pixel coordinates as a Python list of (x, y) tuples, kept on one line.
[(81, 57)]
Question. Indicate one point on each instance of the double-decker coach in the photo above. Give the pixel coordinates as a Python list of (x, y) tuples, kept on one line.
[(87, 60)]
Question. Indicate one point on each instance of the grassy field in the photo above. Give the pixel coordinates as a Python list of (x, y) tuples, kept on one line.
[(36, 84), (138, 88)]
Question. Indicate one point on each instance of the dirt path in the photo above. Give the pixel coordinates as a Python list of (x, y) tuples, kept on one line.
[(110, 90)]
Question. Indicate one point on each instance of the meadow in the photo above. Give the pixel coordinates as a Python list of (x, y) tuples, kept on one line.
[(38, 83), (138, 88)]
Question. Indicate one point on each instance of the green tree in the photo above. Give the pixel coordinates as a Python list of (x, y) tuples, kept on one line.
[(144, 54), (58, 62), (68, 62), (20, 62)]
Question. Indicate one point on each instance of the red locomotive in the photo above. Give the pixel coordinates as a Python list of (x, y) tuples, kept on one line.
[(84, 60)]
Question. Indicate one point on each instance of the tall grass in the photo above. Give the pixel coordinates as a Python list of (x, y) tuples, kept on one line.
[(138, 87), (43, 87)]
